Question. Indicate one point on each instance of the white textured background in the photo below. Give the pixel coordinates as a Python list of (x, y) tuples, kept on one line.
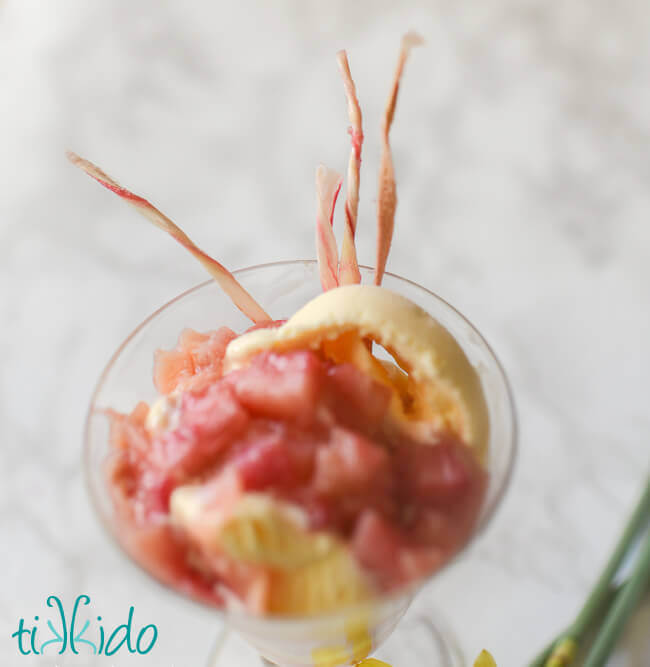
[(522, 149)]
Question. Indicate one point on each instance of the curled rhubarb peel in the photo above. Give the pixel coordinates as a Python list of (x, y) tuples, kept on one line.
[(349, 266), (387, 196), (239, 296), (328, 186)]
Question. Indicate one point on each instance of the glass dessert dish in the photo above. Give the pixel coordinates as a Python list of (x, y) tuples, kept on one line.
[(350, 634)]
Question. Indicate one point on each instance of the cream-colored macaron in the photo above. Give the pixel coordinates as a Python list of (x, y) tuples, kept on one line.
[(419, 344)]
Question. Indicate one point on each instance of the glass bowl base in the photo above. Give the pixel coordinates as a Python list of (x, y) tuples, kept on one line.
[(419, 639)]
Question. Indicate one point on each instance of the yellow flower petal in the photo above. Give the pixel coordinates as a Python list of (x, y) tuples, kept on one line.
[(334, 656), (358, 636), (485, 660), (564, 653)]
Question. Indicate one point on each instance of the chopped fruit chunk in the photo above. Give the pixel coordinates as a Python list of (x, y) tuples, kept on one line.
[(197, 360), (171, 369), (164, 552), (128, 431), (440, 473), (350, 463), (280, 386), (207, 423), (357, 399), (377, 545), (273, 454)]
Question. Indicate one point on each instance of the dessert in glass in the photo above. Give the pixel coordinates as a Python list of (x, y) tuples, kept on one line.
[(306, 474)]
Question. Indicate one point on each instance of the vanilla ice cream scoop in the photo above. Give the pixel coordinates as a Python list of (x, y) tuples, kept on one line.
[(421, 346)]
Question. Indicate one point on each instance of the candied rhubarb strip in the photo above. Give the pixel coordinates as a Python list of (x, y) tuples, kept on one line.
[(239, 296), (328, 186), (349, 267), (387, 196)]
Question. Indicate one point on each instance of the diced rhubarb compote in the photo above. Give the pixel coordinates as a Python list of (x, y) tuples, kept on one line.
[(196, 360), (127, 431), (356, 399), (388, 551), (280, 386), (274, 455), (138, 489), (165, 552), (377, 544), (439, 473), (207, 423), (303, 430), (350, 463)]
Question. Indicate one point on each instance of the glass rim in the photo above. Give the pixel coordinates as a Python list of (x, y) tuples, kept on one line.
[(488, 511)]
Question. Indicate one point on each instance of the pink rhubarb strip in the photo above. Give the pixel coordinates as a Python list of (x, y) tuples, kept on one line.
[(387, 196), (328, 186), (349, 266), (240, 297)]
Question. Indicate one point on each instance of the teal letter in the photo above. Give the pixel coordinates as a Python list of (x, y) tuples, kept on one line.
[(127, 637), (78, 637), (58, 638), (153, 639), (101, 635), (32, 641), (19, 634)]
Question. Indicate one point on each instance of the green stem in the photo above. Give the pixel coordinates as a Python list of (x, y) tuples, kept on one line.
[(623, 606), (599, 594), (593, 604), (545, 654)]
